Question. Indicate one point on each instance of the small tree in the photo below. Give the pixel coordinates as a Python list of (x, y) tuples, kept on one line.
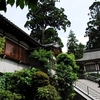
[(74, 47), (72, 42), (45, 59), (66, 75)]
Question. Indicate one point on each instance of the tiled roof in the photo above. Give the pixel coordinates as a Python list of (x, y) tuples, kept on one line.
[(90, 55), (6, 24)]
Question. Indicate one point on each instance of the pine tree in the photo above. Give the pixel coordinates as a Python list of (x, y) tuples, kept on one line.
[(46, 15), (93, 26), (74, 47)]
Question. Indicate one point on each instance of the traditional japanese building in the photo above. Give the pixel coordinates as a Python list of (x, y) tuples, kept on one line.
[(18, 46), (90, 61), (55, 47)]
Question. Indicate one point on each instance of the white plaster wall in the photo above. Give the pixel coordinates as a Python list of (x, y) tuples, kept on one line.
[(10, 66)]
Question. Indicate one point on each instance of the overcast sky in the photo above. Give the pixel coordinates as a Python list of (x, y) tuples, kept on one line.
[(76, 11)]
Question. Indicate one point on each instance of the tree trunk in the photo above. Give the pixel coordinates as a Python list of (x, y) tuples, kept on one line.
[(42, 35)]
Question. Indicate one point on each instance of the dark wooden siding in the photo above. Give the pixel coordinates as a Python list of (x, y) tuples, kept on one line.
[(90, 68), (16, 52)]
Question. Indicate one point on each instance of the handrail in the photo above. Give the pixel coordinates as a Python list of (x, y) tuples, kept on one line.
[(88, 87), (86, 96), (88, 90)]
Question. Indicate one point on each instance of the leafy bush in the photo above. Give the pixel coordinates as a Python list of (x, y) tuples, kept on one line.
[(5, 84), (7, 95), (68, 59), (19, 82), (44, 58), (5, 81), (27, 84), (44, 91), (47, 93), (22, 82), (41, 79)]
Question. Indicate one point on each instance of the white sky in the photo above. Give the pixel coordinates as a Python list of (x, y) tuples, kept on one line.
[(76, 11)]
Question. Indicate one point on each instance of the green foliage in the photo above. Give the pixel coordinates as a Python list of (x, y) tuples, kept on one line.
[(21, 3), (5, 80), (42, 18), (2, 43), (44, 91), (93, 26), (51, 36), (5, 85), (44, 57), (27, 84), (21, 79), (27, 81), (7, 95), (19, 82), (74, 47), (41, 79), (79, 51), (66, 75), (67, 59), (72, 42), (94, 74), (48, 93)]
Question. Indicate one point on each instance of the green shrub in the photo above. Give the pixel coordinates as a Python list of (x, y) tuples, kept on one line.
[(19, 82), (7, 95), (41, 79), (66, 74), (27, 84), (5, 81), (48, 93), (45, 59)]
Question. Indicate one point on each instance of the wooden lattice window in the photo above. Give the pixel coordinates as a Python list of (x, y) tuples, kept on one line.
[(9, 49)]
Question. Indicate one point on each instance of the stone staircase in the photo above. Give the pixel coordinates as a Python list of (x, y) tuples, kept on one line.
[(89, 88)]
